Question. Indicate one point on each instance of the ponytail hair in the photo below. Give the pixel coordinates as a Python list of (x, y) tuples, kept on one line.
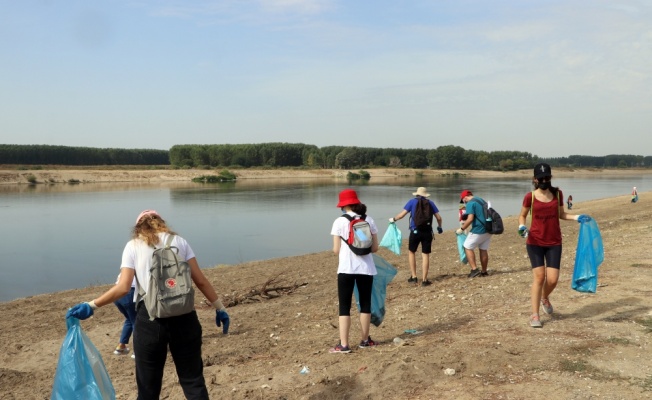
[(359, 209)]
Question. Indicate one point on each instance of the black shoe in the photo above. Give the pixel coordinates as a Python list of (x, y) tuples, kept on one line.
[(413, 279), (426, 283), (484, 273), (474, 273)]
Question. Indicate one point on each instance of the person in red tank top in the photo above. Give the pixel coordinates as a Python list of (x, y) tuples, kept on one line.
[(545, 204)]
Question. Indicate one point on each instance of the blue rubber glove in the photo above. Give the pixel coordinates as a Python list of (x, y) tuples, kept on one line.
[(222, 319), (80, 311), (583, 218), (523, 231), (439, 230)]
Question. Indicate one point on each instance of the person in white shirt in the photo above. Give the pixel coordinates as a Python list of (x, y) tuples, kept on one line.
[(182, 334), (353, 270)]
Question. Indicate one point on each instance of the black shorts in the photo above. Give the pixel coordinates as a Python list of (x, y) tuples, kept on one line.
[(423, 237), (550, 254)]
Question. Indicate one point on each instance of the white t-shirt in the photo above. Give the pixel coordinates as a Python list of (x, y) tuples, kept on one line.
[(137, 255), (351, 263)]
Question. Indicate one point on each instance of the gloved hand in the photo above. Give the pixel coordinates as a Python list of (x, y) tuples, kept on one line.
[(392, 220), (523, 231), (583, 218), (81, 310), (460, 231), (439, 230), (222, 319)]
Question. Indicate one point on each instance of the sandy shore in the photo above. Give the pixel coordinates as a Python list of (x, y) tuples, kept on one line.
[(95, 174), (594, 346)]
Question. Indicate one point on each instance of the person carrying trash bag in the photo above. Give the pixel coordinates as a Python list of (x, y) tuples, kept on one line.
[(422, 211), (545, 204), (355, 268), (153, 336)]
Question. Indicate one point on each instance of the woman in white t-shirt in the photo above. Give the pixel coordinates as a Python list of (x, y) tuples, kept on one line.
[(353, 270), (181, 334)]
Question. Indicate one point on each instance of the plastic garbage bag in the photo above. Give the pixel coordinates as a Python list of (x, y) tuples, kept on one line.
[(81, 374), (392, 239), (461, 237), (588, 257), (385, 273)]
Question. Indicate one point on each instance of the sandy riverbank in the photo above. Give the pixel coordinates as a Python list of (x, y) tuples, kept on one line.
[(594, 346), (95, 174)]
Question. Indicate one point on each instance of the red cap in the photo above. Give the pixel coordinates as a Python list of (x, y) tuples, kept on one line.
[(348, 197), (464, 194)]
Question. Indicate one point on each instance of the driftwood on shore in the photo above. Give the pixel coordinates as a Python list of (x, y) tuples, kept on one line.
[(275, 286)]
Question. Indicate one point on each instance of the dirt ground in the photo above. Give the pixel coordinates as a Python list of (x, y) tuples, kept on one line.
[(594, 346)]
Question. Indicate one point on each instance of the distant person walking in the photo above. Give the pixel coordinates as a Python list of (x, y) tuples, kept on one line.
[(634, 195), (353, 270), (546, 206), (477, 238), (422, 211), (569, 202)]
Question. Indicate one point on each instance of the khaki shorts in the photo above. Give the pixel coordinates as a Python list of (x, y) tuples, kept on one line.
[(474, 241)]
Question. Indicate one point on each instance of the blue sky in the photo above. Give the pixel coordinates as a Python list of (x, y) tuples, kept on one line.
[(553, 78)]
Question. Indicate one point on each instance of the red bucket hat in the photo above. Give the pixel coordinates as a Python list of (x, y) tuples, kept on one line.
[(348, 197)]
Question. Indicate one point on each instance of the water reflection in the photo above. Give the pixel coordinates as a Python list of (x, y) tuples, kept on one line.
[(66, 236)]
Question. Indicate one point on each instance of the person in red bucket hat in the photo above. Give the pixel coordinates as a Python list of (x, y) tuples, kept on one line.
[(353, 270)]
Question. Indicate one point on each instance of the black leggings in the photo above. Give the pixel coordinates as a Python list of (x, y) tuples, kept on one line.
[(345, 284)]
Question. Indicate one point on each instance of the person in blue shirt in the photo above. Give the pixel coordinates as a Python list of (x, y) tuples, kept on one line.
[(478, 238), (420, 234)]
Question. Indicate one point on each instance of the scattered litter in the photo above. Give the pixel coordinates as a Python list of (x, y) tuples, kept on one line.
[(304, 370), (266, 386), (398, 341), (413, 331), (449, 371)]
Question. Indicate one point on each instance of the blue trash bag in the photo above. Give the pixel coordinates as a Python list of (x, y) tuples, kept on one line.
[(588, 257), (392, 239), (81, 374), (461, 237), (385, 273)]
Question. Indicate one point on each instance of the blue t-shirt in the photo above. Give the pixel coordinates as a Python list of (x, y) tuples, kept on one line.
[(411, 205), (474, 207)]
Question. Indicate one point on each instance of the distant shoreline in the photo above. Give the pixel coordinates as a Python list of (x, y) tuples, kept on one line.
[(94, 174)]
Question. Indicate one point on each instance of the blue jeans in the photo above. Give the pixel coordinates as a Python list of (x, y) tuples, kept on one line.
[(127, 307), (182, 335)]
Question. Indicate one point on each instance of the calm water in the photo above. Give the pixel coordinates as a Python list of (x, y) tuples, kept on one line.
[(59, 237)]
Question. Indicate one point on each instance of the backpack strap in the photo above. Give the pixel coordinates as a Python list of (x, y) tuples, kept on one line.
[(350, 218), (168, 242), (482, 203)]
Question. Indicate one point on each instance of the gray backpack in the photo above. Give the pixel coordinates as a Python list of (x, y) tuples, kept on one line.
[(170, 291)]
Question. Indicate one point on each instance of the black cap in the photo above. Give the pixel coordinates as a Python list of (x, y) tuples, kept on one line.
[(542, 170)]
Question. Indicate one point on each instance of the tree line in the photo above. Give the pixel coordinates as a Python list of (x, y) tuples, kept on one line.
[(66, 155), (299, 155)]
